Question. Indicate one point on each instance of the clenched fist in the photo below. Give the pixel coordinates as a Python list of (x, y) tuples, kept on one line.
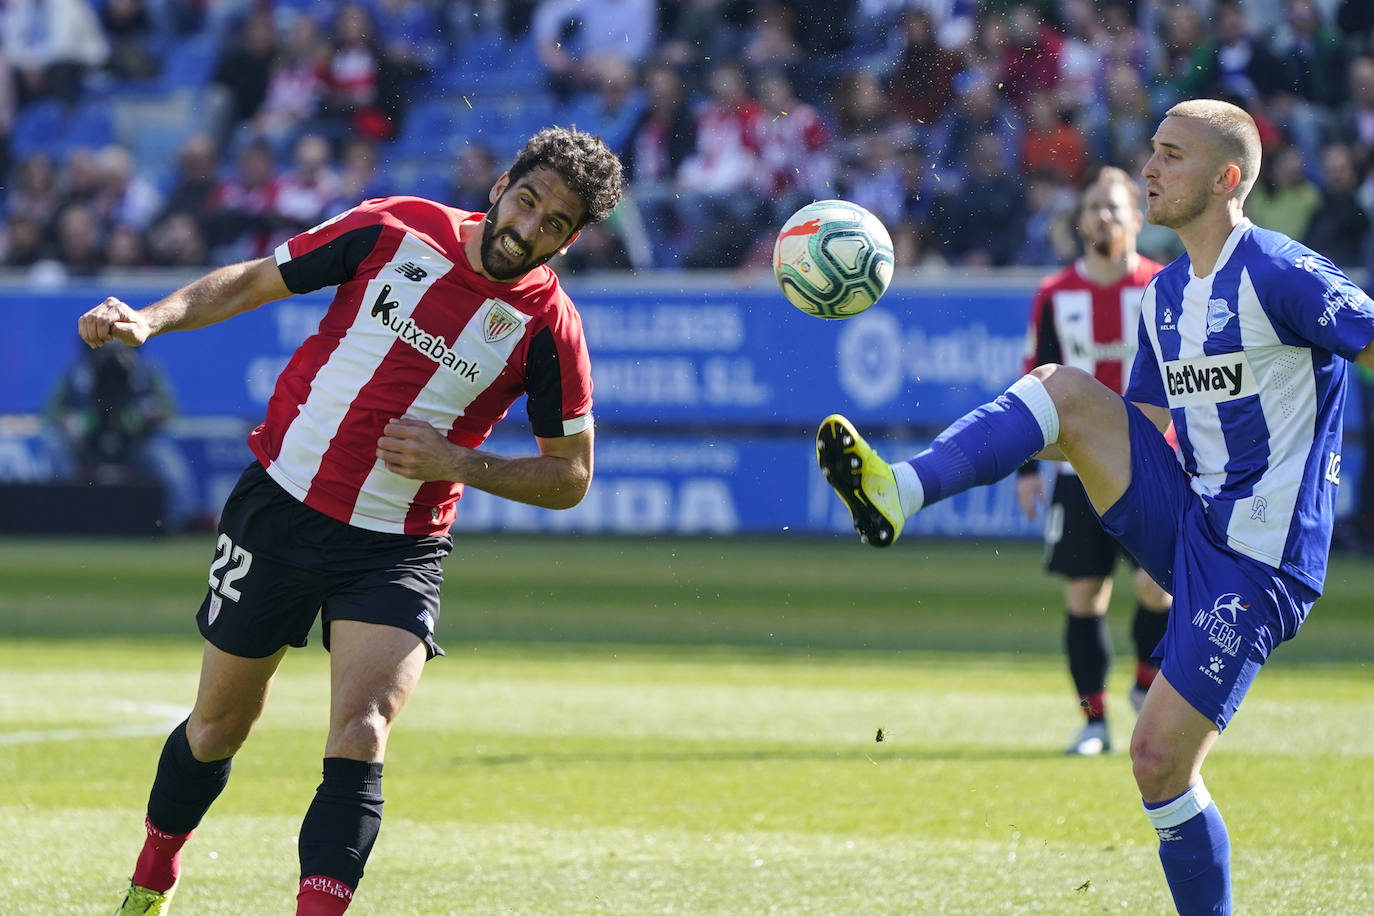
[(113, 320)]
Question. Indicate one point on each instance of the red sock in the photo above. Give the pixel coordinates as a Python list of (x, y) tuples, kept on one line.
[(160, 861), (1145, 674), (321, 896), (1094, 705)]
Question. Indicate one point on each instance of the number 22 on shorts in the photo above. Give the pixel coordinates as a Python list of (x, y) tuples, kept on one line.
[(227, 553)]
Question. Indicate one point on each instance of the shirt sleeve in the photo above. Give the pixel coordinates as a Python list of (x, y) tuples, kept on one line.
[(1317, 303), (558, 379), (330, 253)]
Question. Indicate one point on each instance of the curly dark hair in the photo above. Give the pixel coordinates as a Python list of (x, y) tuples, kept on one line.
[(584, 162)]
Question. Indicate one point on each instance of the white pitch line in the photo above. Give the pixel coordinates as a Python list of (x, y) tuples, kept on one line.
[(163, 717)]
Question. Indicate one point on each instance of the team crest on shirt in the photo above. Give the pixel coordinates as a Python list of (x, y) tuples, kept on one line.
[(500, 323), (1218, 314)]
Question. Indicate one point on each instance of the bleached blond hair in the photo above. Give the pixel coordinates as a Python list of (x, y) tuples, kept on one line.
[(1238, 138)]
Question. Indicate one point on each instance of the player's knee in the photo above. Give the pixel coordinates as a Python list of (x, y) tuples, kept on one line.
[(360, 735), (216, 738), (1159, 771), (1080, 401)]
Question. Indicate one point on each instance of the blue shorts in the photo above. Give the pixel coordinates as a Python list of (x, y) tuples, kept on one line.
[(1229, 611)]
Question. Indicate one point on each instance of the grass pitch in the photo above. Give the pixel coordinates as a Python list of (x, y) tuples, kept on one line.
[(659, 726)]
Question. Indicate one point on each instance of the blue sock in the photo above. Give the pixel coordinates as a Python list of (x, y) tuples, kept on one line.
[(988, 443), (1195, 850)]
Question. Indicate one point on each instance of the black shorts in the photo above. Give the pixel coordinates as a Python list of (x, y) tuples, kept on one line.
[(278, 563), (1075, 544)]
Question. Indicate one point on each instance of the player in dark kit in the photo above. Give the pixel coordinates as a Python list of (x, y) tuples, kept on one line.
[(1086, 316), (441, 320)]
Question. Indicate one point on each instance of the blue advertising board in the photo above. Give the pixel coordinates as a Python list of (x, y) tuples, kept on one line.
[(749, 374), (700, 354)]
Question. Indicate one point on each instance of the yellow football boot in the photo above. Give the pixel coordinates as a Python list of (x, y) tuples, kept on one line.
[(142, 902), (863, 480)]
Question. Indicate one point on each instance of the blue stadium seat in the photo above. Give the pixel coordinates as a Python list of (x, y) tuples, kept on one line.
[(155, 146), (190, 61), (91, 125), (499, 67), (38, 127), (431, 124)]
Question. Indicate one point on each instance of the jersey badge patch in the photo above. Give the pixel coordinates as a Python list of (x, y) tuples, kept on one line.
[(1218, 314), (500, 323)]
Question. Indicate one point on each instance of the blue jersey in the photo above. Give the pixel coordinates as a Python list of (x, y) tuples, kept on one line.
[(1251, 362)]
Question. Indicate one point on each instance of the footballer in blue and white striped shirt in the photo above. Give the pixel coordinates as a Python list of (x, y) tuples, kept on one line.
[(1245, 343)]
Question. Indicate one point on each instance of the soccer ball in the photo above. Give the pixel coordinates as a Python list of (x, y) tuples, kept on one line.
[(833, 259)]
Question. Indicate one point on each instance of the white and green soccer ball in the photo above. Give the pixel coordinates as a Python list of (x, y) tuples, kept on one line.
[(833, 259)]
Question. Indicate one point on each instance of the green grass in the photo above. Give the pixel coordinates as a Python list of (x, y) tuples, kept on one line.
[(663, 726)]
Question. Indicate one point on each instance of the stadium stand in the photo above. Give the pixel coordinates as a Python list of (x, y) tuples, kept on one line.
[(904, 89)]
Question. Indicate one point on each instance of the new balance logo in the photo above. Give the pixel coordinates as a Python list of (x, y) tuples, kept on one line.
[(411, 271)]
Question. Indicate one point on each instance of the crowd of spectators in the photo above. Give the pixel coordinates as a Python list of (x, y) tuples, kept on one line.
[(966, 126)]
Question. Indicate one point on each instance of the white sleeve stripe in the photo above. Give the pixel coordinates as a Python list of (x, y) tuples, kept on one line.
[(282, 253), (1184, 808), (577, 424)]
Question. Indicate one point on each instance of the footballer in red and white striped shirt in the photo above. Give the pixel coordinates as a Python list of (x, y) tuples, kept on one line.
[(441, 319)]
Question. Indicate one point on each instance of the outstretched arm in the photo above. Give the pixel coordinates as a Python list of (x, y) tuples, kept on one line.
[(219, 295), (557, 479)]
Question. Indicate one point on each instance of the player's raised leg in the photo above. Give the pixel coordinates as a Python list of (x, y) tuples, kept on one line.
[(1053, 406), (373, 671), (194, 769)]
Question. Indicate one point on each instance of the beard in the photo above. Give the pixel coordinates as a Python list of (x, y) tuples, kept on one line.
[(1107, 244), (495, 261), (1186, 209)]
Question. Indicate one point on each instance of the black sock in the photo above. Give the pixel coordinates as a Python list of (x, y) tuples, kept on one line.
[(184, 788), (1147, 629), (343, 821), (1088, 643)]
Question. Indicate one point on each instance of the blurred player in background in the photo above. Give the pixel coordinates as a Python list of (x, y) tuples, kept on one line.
[(442, 318), (1086, 316), (1243, 347)]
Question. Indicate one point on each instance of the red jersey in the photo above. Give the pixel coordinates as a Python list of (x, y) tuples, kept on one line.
[(412, 331), (1076, 322)]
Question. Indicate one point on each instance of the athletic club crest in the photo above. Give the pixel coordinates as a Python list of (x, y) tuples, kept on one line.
[(1218, 313), (500, 323)]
